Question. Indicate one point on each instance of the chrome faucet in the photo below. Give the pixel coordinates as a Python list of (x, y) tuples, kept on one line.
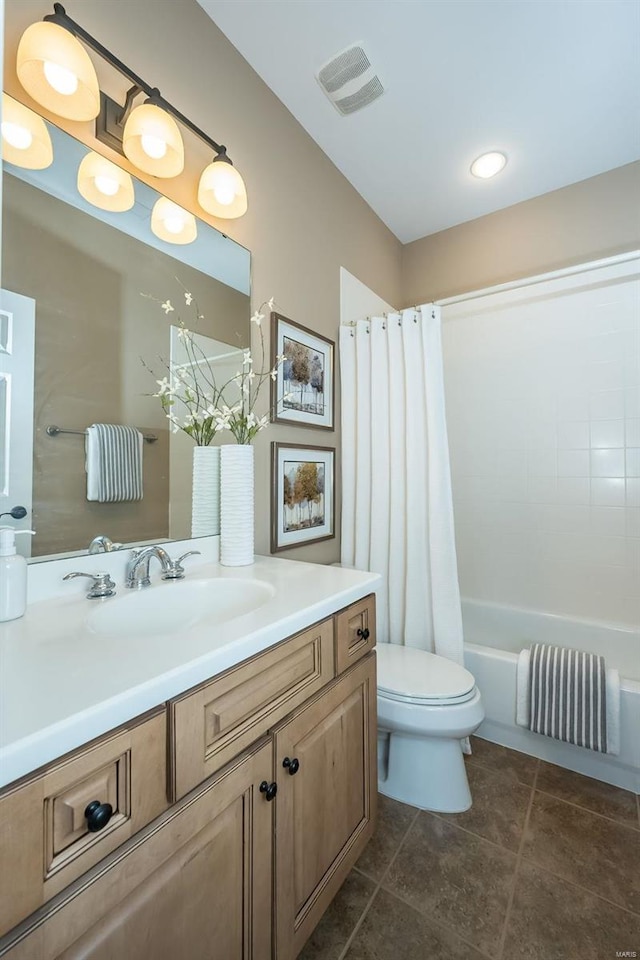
[(103, 544), (137, 572)]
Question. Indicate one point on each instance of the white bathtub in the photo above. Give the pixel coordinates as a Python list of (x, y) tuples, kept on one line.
[(494, 635)]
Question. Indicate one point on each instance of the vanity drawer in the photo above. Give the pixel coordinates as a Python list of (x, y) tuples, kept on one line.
[(46, 840), (212, 723), (355, 632)]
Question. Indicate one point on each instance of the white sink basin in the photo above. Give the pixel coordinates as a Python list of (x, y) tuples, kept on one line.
[(171, 607)]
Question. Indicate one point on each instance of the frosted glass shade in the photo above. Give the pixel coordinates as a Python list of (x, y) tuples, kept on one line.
[(221, 191), (56, 70), (25, 138), (152, 141), (171, 223), (104, 184)]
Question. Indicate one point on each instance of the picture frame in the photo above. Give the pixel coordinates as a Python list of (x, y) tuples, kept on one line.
[(302, 495), (303, 391)]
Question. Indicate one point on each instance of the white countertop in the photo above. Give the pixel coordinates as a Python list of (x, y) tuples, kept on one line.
[(61, 685)]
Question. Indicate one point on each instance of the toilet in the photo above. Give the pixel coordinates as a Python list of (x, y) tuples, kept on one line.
[(426, 705)]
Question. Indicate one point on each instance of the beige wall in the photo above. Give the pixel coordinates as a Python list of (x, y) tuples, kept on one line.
[(304, 220), (585, 221)]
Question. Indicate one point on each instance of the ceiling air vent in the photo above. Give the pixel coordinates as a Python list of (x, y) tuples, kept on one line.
[(349, 80)]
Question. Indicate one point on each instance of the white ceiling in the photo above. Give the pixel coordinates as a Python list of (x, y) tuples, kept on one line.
[(553, 83)]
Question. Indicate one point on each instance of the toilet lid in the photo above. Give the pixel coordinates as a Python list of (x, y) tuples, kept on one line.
[(405, 673)]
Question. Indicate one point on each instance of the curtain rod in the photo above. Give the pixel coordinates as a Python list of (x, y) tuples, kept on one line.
[(540, 278)]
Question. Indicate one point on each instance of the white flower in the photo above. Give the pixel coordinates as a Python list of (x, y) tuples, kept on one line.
[(280, 358), (247, 359), (188, 297), (274, 374), (263, 421), (164, 387), (257, 318), (166, 306), (183, 332), (270, 303), (251, 420), (246, 386), (251, 375)]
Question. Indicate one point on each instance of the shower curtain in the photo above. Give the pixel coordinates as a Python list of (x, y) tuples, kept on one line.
[(397, 512)]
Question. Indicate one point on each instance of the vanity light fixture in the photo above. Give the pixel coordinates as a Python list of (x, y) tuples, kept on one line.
[(172, 223), (152, 141), (62, 79), (221, 190), (104, 184), (56, 70), (25, 138), (488, 165)]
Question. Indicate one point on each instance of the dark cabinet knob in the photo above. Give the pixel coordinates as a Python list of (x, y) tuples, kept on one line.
[(98, 815), (363, 633), (291, 765), (269, 789)]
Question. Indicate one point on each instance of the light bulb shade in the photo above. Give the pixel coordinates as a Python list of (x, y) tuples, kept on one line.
[(25, 138), (151, 127), (104, 184), (51, 60), (171, 223), (221, 191)]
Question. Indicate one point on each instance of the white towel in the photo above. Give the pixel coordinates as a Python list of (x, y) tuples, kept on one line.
[(612, 679), (113, 463)]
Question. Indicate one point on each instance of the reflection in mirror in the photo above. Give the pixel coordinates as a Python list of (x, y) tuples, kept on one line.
[(84, 323)]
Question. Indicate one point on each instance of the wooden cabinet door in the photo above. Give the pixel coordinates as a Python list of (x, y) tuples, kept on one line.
[(325, 811), (195, 884)]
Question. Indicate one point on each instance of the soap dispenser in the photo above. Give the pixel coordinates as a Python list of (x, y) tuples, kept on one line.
[(13, 576)]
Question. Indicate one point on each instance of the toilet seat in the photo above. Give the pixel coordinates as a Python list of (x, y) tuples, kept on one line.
[(409, 675)]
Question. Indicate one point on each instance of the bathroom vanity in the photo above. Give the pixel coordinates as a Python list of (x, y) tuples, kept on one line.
[(219, 821)]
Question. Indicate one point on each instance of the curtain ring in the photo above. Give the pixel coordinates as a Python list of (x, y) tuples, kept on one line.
[(433, 314), (384, 326), (400, 321), (368, 329), (352, 334)]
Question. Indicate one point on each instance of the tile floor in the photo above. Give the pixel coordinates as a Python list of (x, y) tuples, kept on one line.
[(545, 866)]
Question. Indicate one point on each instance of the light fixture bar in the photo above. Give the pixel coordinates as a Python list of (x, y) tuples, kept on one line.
[(61, 17)]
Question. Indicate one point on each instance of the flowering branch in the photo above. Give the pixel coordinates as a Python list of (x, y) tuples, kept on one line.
[(192, 400)]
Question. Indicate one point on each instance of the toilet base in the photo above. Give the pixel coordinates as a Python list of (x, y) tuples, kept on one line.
[(425, 772)]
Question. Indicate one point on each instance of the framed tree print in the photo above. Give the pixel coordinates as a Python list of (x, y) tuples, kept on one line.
[(302, 495), (303, 390)]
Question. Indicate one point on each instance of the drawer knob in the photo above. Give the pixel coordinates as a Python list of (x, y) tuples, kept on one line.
[(363, 633), (269, 789), (291, 765), (98, 815)]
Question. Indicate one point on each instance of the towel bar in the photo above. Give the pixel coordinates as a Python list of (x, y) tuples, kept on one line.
[(53, 431)]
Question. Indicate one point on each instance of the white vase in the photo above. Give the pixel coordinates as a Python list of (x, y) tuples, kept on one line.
[(236, 504), (205, 492)]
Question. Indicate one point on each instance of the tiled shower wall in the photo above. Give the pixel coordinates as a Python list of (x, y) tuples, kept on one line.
[(543, 412)]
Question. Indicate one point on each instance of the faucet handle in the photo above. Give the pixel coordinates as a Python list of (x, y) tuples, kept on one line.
[(175, 570), (103, 585)]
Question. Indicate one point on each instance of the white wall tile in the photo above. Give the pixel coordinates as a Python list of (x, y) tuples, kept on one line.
[(574, 434), (632, 432), (607, 405), (543, 407), (633, 492), (607, 433), (608, 493), (633, 461), (573, 463), (608, 521), (632, 402), (607, 463)]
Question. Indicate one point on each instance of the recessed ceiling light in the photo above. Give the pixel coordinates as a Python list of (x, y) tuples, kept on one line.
[(488, 165)]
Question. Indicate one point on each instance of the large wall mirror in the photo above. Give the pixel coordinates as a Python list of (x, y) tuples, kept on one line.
[(83, 337)]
